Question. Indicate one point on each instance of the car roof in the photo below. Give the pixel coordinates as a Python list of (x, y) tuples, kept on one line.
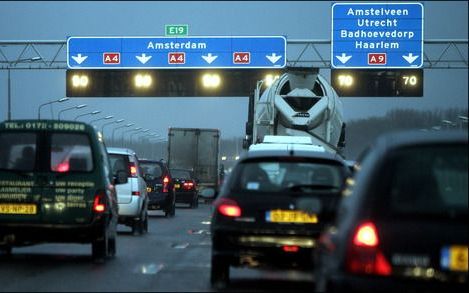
[(46, 125), (292, 153), (418, 137), (120, 151)]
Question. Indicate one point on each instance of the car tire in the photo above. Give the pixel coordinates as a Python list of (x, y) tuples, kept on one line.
[(100, 247), (6, 249), (145, 223), (219, 272), (137, 226), (195, 202), (112, 246), (173, 210)]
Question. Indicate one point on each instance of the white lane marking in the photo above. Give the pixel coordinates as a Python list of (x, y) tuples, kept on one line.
[(148, 269)]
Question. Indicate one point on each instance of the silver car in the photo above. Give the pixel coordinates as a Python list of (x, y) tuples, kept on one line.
[(132, 196)]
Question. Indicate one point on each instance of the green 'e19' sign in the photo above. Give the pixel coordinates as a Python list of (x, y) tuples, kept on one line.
[(176, 30)]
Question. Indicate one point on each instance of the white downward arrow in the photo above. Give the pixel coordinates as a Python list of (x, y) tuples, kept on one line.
[(209, 58), (343, 58), (79, 59), (273, 58), (143, 59), (410, 58)]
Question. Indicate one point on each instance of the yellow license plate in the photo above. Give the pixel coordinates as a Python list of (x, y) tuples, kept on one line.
[(177, 185), (18, 209), (148, 189), (455, 258), (285, 216)]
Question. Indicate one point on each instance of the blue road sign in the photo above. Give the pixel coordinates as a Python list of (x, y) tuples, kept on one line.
[(377, 35), (176, 52)]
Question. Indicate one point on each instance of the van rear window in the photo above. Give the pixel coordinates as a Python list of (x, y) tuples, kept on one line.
[(18, 151), (70, 152)]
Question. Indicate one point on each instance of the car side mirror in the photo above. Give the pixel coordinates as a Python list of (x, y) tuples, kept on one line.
[(121, 177), (309, 205)]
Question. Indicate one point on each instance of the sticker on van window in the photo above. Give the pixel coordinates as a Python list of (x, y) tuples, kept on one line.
[(252, 186)]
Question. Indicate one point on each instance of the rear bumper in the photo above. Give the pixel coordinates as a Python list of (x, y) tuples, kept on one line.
[(26, 234), (159, 200), (264, 250), (347, 283), (185, 196)]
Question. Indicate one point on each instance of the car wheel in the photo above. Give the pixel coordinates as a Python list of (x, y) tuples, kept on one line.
[(219, 272), (137, 227), (100, 247), (6, 249), (145, 223), (112, 246), (173, 210)]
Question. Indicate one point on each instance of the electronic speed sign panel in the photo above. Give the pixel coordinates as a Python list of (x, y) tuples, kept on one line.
[(176, 52), (377, 35)]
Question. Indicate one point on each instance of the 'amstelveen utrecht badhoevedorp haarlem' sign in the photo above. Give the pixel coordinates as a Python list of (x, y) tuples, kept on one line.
[(377, 35)]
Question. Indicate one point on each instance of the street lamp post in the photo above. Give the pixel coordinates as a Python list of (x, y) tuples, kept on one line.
[(102, 118), (48, 103), (114, 130), (9, 82), (105, 124), (89, 113), (130, 130), (71, 108)]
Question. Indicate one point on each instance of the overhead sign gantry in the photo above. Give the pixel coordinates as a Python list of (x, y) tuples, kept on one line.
[(176, 52), (377, 35)]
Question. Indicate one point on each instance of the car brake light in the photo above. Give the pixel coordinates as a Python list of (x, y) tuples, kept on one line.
[(99, 205), (188, 185), (364, 255), (137, 193), (290, 248), (228, 207), (165, 183), (133, 170), (366, 235)]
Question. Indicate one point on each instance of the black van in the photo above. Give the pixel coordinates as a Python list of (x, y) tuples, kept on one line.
[(56, 186)]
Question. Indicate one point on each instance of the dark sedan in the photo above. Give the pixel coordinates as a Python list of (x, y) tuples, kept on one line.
[(402, 227), (256, 220)]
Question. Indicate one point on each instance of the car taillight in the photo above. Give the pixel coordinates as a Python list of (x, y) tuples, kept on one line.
[(290, 248), (99, 203), (188, 185), (137, 193), (133, 169), (227, 207), (165, 183), (364, 255)]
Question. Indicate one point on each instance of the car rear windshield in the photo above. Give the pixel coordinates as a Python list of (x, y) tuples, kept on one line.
[(152, 169), (70, 152), (18, 151), (120, 163), (429, 181), (275, 176), (181, 174)]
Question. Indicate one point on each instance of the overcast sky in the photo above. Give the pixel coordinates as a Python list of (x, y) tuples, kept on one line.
[(56, 20)]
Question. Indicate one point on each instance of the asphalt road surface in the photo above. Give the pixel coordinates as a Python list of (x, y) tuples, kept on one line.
[(173, 257)]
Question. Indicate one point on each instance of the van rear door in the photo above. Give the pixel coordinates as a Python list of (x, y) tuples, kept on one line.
[(20, 196), (69, 185)]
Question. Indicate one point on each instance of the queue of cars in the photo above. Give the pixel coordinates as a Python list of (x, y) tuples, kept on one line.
[(399, 224), (394, 220)]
